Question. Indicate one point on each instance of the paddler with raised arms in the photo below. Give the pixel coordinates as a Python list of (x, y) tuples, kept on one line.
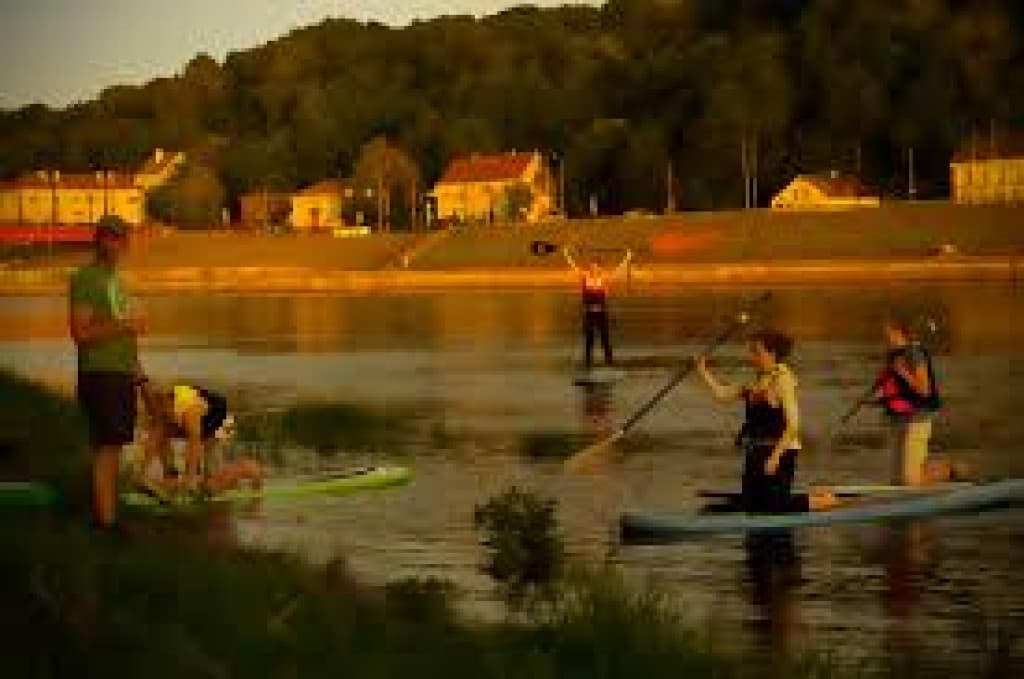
[(594, 282), (770, 435)]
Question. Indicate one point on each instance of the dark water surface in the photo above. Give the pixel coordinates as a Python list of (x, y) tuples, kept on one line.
[(484, 380)]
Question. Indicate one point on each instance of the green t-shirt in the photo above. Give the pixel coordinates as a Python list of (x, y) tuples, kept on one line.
[(100, 288)]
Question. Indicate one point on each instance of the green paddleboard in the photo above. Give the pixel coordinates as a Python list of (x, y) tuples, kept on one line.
[(369, 478), (26, 494), (22, 494)]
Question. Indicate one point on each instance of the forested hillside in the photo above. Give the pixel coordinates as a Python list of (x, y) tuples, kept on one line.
[(617, 92)]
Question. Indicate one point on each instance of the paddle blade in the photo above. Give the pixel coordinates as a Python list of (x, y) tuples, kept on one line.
[(594, 458)]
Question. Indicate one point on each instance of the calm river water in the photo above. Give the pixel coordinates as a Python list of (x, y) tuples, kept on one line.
[(485, 380)]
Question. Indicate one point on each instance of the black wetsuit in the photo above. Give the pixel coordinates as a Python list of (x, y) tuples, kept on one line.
[(762, 492), (595, 318)]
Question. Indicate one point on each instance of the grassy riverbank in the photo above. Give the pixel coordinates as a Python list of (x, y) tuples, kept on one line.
[(174, 597), (898, 242)]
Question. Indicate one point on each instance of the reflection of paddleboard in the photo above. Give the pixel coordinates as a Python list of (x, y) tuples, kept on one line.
[(597, 376), (641, 527)]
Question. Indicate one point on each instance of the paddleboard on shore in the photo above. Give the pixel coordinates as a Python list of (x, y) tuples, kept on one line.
[(598, 376), (651, 527), (26, 494), (366, 478), (39, 494)]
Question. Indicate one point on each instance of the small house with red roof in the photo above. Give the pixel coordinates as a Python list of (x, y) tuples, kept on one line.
[(512, 186), (833, 191)]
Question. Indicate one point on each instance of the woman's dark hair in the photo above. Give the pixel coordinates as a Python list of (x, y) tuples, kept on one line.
[(776, 343), (900, 322)]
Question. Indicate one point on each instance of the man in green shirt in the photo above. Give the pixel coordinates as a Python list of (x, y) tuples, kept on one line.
[(105, 332)]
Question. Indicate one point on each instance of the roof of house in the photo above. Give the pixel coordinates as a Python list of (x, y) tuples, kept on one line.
[(480, 167), (327, 187), (1007, 146), (838, 185), (95, 181), (260, 195), (159, 161)]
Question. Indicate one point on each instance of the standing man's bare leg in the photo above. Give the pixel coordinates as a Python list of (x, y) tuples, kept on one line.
[(105, 466)]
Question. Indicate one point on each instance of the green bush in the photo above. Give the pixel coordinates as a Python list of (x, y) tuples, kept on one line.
[(520, 533)]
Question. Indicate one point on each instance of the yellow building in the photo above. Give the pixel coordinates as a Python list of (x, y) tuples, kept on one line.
[(55, 198), (833, 191), (318, 207), (488, 187), (985, 177)]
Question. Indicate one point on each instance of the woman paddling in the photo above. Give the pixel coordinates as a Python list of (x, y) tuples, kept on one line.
[(770, 436)]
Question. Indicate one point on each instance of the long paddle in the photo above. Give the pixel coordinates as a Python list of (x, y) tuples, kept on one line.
[(542, 248), (578, 461)]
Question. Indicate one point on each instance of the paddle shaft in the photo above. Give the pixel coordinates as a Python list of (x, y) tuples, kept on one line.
[(684, 372), (861, 402), (594, 449), (680, 375), (542, 248)]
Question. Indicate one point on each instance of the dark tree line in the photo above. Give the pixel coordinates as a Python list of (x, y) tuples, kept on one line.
[(616, 93)]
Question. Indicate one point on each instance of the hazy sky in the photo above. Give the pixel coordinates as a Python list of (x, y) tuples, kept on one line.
[(60, 51)]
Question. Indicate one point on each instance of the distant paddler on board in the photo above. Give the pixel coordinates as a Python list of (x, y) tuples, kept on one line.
[(594, 283)]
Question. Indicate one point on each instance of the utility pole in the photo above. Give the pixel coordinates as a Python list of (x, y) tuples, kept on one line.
[(670, 195), (753, 201), (746, 171), (561, 184), (911, 187), (54, 179), (413, 205)]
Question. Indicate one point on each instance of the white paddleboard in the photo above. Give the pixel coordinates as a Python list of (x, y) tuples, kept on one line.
[(972, 497), (598, 376)]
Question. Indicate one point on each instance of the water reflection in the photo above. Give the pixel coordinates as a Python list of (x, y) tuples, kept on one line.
[(597, 409), (485, 378), (773, 576), (906, 554)]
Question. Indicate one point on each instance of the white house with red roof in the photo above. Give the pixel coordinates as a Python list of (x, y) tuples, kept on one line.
[(512, 186), (833, 191)]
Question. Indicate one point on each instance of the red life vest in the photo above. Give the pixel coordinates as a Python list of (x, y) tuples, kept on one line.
[(897, 396), (595, 292)]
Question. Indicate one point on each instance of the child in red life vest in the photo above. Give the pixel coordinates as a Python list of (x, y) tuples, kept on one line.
[(908, 392)]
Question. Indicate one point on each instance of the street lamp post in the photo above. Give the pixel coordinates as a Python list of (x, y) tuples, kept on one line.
[(54, 178)]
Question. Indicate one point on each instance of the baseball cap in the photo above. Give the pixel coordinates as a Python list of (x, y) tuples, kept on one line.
[(111, 225)]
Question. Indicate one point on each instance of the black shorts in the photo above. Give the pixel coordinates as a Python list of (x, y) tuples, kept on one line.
[(108, 400), (770, 493)]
